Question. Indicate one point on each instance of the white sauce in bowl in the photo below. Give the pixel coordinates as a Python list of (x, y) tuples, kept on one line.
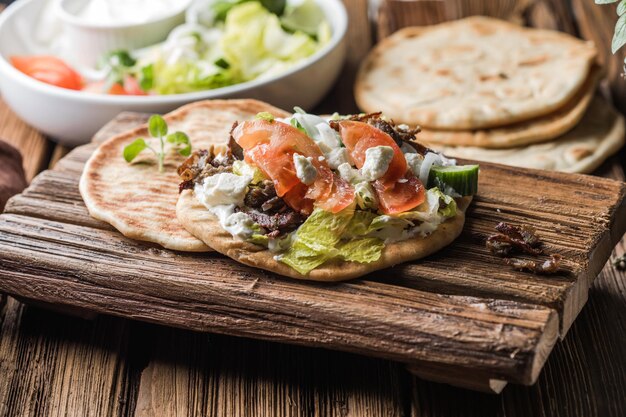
[(119, 12)]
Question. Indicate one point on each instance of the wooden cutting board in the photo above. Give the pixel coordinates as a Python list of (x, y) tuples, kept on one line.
[(460, 316)]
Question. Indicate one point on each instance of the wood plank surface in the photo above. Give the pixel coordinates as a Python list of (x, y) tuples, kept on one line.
[(478, 316)]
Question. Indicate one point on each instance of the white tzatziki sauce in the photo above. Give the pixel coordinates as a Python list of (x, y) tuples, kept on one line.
[(103, 12), (221, 194)]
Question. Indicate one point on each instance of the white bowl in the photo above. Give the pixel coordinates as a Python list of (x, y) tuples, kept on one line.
[(72, 117), (87, 42)]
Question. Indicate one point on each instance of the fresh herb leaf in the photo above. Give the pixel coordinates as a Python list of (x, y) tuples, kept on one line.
[(619, 38), (146, 77), (117, 64), (222, 63), (131, 151), (180, 138), (121, 58), (157, 126), (265, 116)]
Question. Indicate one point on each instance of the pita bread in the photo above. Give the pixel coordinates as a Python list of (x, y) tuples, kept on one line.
[(139, 201), (598, 135), (541, 129), (473, 73), (201, 223)]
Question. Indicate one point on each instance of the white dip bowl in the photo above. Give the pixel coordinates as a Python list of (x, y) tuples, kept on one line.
[(72, 117)]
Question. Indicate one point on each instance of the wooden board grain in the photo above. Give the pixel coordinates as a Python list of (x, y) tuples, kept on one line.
[(474, 324)]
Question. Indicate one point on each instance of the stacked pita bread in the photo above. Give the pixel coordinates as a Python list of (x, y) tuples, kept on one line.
[(489, 90)]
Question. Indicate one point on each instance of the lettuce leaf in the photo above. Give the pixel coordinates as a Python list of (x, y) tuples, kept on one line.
[(318, 240), (254, 42), (364, 250)]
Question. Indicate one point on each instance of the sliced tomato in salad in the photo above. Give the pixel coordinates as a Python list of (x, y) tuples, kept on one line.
[(129, 88), (271, 146), (398, 190), (48, 69)]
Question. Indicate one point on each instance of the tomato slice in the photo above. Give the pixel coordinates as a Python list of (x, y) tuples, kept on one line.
[(278, 167), (398, 190), (48, 69), (400, 196), (340, 197), (359, 137), (295, 198), (130, 88), (271, 146)]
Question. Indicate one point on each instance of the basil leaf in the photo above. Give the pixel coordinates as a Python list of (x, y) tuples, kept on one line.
[(621, 8), (619, 38), (157, 126), (132, 150)]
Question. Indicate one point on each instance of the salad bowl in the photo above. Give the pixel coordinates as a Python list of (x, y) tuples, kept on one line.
[(72, 117)]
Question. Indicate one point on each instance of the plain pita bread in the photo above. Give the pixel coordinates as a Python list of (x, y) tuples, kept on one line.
[(599, 135), (139, 201), (536, 130), (201, 223), (472, 73)]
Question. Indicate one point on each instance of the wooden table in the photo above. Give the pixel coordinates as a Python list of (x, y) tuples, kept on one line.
[(58, 364)]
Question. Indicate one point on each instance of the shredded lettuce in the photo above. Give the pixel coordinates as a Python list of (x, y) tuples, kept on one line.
[(254, 42), (318, 240)]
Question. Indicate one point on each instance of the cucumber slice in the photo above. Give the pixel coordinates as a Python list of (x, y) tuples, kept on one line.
[(463, 178)]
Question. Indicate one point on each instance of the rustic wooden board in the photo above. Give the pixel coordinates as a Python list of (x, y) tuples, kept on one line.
[(458, 317)]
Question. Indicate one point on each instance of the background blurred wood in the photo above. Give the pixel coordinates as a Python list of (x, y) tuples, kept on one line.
[(52, 365)]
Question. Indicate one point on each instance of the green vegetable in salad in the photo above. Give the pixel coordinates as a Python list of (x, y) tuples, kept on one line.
[(157, 127), (463, 178)]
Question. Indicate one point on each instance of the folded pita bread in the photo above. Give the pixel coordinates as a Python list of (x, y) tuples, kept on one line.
[(201, 223), (541, 129), (473, 73), (599, 135), (136, 198)]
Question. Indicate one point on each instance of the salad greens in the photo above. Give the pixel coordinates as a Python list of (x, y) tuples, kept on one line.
[(157, 127), (224, 42), (322, 236)]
